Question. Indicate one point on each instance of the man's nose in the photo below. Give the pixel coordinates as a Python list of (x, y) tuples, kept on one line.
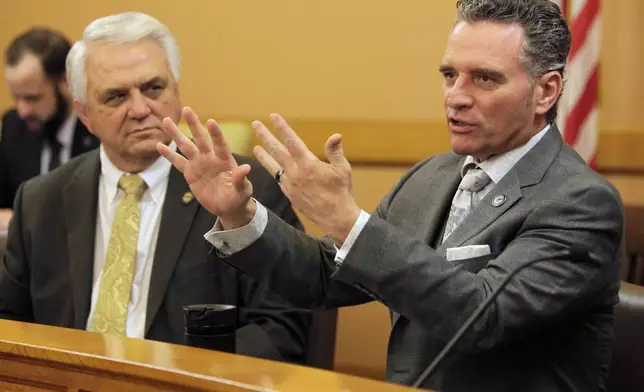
[(457, 96), (139, 106)]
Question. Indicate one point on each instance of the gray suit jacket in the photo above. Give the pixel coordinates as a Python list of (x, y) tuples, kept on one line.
[(551, 328), (46, 274)]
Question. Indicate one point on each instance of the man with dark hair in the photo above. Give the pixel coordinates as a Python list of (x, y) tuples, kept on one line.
[(510, 197), (41, 132)]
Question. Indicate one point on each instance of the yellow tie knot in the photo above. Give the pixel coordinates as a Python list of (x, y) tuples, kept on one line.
[(132, 185)]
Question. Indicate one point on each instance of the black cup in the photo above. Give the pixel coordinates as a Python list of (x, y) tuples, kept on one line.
[(211, 326)]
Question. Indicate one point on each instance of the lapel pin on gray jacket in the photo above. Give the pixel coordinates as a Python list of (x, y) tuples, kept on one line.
[(187, 198), (499, 200)]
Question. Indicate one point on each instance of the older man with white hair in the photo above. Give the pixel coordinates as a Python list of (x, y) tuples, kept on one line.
[(113, 242)]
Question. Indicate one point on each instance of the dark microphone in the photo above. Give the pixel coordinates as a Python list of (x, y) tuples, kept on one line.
[(575, 254)]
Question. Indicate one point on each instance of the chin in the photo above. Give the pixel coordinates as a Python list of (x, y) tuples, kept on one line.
[(462, 145), (145, 147), (470, 145)]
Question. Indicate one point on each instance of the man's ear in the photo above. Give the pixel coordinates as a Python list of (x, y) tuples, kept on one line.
[(547, 91)]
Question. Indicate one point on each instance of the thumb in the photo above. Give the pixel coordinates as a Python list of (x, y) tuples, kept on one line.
[(239, 175), (334, 151)]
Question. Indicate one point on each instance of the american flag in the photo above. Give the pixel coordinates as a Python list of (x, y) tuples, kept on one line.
[(578, 107)]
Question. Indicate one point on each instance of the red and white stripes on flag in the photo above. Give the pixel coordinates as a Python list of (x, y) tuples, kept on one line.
[(579, 107)]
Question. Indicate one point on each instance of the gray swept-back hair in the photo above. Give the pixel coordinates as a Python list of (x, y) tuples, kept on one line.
[(547, 35), (120, 28)]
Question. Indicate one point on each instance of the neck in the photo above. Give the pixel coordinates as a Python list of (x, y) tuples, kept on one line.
[(539, 124), (518, 140), (132, 165)]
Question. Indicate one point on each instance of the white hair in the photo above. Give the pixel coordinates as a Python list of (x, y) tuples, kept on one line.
[(120, 28)]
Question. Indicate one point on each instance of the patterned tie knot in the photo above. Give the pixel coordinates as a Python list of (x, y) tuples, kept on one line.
[(474, 179), (132, 185)]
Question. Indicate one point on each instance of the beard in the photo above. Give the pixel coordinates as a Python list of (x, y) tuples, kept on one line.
[(52, 125)]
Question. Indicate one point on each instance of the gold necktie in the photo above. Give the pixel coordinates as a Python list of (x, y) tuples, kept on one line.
[(116, 281)]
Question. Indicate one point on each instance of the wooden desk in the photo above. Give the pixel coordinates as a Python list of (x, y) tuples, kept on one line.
[(41, 358)]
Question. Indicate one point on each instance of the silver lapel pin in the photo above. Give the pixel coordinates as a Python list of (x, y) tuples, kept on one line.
[(498, 200)]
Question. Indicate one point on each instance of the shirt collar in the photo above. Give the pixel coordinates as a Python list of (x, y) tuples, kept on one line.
[(155, 176), (65, 134), (499, 165)]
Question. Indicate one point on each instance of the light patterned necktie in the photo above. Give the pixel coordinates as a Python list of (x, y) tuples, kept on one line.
[(116, 281), (473, 181)]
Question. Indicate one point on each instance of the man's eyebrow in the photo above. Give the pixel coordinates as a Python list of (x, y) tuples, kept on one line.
[(118, 90), (153, 81), (112, 91)]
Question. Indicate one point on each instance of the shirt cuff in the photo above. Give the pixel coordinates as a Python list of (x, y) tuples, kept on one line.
[(228, 242), (342, 253)]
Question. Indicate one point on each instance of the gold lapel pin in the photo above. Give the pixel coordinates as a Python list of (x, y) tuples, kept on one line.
[(187, 197)]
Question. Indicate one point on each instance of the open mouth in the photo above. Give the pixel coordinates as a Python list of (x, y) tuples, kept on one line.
[(460, 126)]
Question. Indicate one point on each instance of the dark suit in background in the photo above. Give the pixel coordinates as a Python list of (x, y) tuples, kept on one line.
[(20, 153), (46, 275)]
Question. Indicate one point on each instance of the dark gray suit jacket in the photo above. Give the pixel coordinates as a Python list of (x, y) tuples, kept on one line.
[(46, 274), (21, 150), (550, 330)]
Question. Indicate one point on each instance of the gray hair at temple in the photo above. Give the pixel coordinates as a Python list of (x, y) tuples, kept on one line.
[(120, 28), (547, 35)]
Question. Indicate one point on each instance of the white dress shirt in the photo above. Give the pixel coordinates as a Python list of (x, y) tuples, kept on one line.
[(65, 137), (109, 196), (231, 241)]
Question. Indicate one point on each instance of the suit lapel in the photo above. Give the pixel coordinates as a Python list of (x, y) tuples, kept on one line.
[(80, 203), (440, 193), (438, 188), (507, 191), (528, 171), (176, 222)]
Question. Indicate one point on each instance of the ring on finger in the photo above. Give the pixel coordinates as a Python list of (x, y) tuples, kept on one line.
[(279, 175)]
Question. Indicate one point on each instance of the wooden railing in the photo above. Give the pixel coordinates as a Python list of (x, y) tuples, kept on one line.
[(42, 358)]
